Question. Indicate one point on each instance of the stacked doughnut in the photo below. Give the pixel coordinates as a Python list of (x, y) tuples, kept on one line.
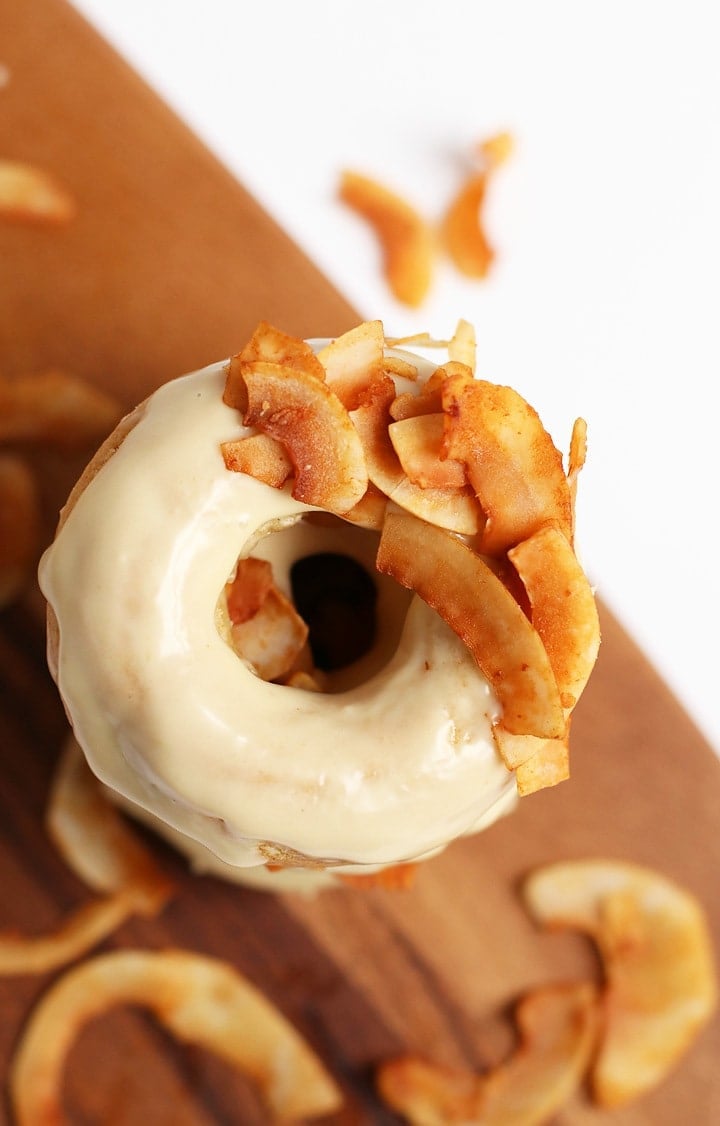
[(248, 516)]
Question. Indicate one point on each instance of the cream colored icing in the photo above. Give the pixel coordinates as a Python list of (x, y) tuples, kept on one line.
[(388, 769)]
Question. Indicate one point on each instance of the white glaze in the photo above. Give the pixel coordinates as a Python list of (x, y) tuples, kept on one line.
[(171, 719)]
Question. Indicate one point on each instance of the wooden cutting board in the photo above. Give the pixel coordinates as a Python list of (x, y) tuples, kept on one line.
[(168, 266)]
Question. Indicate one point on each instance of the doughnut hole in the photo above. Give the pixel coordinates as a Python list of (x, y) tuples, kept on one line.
[(355, 615)]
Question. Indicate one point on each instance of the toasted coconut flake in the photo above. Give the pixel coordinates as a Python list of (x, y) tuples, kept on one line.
[(31, 195), (199, 1000), (455, 509), (460, 586), (661, 985), (261, 456), (303, 414), (273, 638), (418, 443), (549, 766), (576, 460), (78, 933), (96, 842), (563, 607), (512, 463), (428, 398), (55, 407), (19, 526), (369, 512), (353, 361), (247, 590), (394, 365), (265, 628), (558, 1027), (462, 348), (406, 238), (271, 345), (517, 749)]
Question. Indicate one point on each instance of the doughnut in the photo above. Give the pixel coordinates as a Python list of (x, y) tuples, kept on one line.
[(210, 495)]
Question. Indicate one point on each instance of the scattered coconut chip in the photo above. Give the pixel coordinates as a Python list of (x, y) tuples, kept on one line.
[(462, 228), (512, 463), (352, 361), (661, 984), (19, 526), (558, 1028), (406, 238), (474, 602), (198, 999), (31, 195), (562, 606), (303, 414), (455, 509), (55, 407), (78, 933), (259, 455), (96, 841)]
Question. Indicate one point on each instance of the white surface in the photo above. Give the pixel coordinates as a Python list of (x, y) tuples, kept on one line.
[(604, 299)]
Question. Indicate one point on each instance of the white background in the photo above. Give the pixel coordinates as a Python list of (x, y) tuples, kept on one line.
[(604, 300)]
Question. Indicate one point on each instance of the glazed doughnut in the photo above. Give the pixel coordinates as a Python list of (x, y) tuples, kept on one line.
[(397, 758)]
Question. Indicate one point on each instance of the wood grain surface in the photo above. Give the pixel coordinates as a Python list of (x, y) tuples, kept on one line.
[(168, 266)]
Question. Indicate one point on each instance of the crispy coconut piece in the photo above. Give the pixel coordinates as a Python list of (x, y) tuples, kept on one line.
[(273, 638), (547, 767), (417, 441), (406, 238), (265, 628), (395, 365), (512, 463), (29, 194), (55, 407), (462, 230), (653, 937), (462, 347), (273, 346), (352, 361), (369, 512), (558, 1029), (302, 413), (455, 509), (517, 749), (428, 400), (395, 877), (248, 589), (200, 1000), (19, 526), (474, 602), (96, 841), (78, 933), (563, 607), (261, 456), (576, 460)]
